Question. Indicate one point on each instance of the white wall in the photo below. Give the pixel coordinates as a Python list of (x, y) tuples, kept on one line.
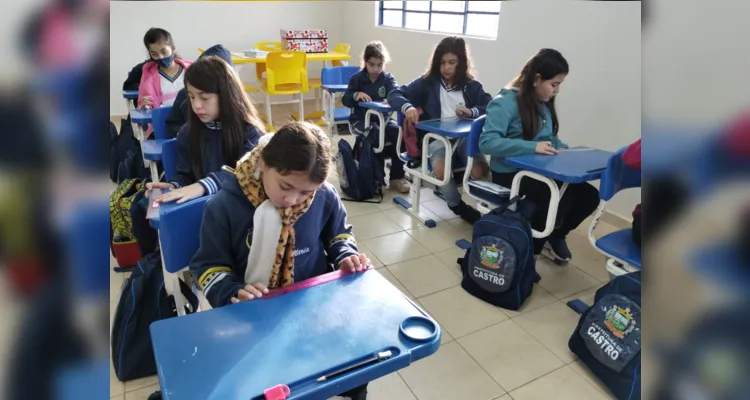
[(236, 25), (600, 102)]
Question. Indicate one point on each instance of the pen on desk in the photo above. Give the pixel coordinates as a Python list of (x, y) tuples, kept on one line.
[(380, 356)]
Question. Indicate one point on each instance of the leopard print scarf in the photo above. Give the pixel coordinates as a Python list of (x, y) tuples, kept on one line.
[(249, 177)]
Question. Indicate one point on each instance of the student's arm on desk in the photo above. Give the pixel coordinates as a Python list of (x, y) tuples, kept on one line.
[(493, 140), (483, 99), (337, 233), (351, 91), (211, 265), (406, 96)]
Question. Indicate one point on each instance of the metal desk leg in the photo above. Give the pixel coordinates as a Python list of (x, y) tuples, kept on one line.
[(381, 121), (422, 173), (554, 201), (172, 285)]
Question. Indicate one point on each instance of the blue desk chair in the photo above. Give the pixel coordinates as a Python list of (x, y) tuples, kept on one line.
[(179, 238), (488, 195), (623, 254), (159, 121), (169, 158), (336, 76)]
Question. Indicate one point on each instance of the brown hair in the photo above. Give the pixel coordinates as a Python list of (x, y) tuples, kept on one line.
[(375, 49), (300, 147), (547, 63), (457, 46), (211, 74)]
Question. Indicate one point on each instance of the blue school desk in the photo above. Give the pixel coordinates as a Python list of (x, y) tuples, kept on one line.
[(152, 149), (574, 165), (381, 111), (140, 116), (335, 88), (240, 350), (443, 130), (130, 94)]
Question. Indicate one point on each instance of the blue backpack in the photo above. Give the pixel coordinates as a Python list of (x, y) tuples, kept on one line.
[(499, 267), (360, 171), (608, 336), (143, 300)]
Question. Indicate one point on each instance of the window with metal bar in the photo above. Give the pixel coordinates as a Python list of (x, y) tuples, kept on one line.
[(470, 18)]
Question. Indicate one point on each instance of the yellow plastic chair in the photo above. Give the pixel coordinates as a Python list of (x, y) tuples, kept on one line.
[(341, 48), (286, 73), (315, 83)]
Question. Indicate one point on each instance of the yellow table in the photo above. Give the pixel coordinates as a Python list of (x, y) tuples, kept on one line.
[(330, 56)]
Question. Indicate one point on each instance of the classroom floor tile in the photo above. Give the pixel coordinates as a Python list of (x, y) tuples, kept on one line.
[(562, 384), (485, 351), (510, 355)]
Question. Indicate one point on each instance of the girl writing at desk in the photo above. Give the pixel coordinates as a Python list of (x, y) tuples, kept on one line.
[(222, 126), (276, 221), (447, 90), (522, 119)]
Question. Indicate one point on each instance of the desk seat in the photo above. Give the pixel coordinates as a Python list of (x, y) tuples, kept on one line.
[(341, 114), (620, 245)]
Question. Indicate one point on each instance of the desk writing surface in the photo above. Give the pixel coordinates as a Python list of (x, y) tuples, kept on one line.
[(140, 116), (237, 351), (453, 128), (329, 56), (336, 88), (379, 106), (574, 165), (152, 149)]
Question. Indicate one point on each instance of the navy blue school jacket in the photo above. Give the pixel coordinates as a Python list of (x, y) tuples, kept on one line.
[(425, 92), (378, 91), (212, 154), (322, 239)]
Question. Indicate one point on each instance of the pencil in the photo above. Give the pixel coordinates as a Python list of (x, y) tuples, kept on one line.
[(380, 356)]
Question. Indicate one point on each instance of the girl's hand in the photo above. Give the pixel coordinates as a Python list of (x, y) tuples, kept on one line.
[(157, 185), (463, 112), (545, 148), (250, 292), (356, 263), (412, 115), (362, 96), (146, 101), (183, 194)]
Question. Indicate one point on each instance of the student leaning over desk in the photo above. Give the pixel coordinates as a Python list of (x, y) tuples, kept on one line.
[(222, 126), (276, 221), (522, 119), (447, 90)]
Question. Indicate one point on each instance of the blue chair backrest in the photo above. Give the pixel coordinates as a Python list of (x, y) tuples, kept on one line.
[(617, 176), (472, 144), (159, 121), (337, 75), (169, 158), (179, 232)]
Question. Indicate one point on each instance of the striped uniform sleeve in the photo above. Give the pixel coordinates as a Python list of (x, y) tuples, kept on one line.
[(212, 265), (337, 234)]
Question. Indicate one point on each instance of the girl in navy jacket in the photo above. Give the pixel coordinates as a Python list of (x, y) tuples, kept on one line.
[(276, 221), (447, 89), (374, 84), (222, 126)]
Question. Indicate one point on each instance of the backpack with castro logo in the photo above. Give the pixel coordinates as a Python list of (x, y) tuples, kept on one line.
[(499, 267), (143, 300), (123, 243), (360, 171), (608, 336)]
